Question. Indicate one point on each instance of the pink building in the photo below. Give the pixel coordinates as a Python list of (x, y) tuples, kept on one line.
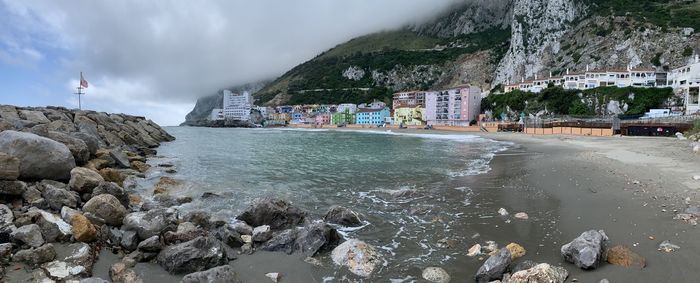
[(323, 119), (453, 107)]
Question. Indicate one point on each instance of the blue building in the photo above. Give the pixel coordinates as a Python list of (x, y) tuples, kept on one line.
[(367, 116), (298, 118), (285, 109)]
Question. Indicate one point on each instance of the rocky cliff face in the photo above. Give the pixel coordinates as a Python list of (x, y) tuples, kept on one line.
[(469, 17)]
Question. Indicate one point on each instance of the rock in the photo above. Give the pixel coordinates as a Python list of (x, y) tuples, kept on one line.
[(36, 256), (77, 147), (274, 276), (523, 265), (277, 213), (502, 211), (150, 223), (516, 251), (282, 241), (164, 185), (130, 240), (521, 216), (587, 250), (474, 250), (200, 218), (693, 210), (5, 253), (113, 175), (34, 116), (541, 273), (242, 228), (623, 256), (342, 216), (140, 166), (122, 273), (262, 233), (53, 228), (494, 267), (57, 195), (151, 245), (489, 248), (228, 235), (112, 188), (199, 254), (316, 237), (83, 180), (67, 214), (221, 274), (93, 280), (106, 207), (6, 233), (667, 246), (29, 234), (61, 270), (82, 229), (120, 158), (436, 275), (12, 188), (6, 215), (186, 231), (359, 257), (39, 157), (9, 167)]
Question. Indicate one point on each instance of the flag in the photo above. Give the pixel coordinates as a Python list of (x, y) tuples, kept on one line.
[(83, 82)]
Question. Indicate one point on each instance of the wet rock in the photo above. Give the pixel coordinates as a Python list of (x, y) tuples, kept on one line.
[(29, 235), (436, 275), (228, 235), (494, 267), (186, 231), (120, 158), (502, 211), (67, 214), (200, 218), (221, 274), (242, 228), (474, 250), (129, 240), (283, 241), (587, 250), (113, 175), (196, 255), (53, 228), (274, 276), (316, 237), (39, 157), (36, 256), (61, 270), (489, 248), (140, 166), (262, 233), (541, 273), (667, 246), (164, 185), (523, 265), (57, 195), (107, 207), (516, 251), (112, 188), (120, 272), (9, 167), (84, 180), (12, 188), (151, 245), (521, 216), (277, 213), (359, 257), (342, 216), (151, 223), (623, 256), (93, 280), (6, 215), (82, 229)]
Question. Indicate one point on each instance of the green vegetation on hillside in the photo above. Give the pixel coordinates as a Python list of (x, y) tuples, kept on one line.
[(568, 102), (663, 13), (344, 96), (389, 40)]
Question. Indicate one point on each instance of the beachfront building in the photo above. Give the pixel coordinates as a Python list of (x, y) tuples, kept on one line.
[(368, 116), (686, 84), (237, 106), (264, 111), (284, 109), (409, 116), (374, 105), (409, 99), (343, 118), (298, 118), (352, 108), (279, 119), (322, 119), (453, 107), (216, 115)]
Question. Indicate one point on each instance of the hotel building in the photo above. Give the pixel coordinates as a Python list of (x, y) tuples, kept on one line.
[(237, 106)]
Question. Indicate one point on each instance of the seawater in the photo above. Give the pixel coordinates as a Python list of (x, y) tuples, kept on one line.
[(416, 191)]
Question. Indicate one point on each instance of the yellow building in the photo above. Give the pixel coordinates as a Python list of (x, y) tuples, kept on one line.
[(279, 119), (409, 116)]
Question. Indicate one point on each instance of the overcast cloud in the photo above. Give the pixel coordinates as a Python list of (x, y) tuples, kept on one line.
[(155, 58)]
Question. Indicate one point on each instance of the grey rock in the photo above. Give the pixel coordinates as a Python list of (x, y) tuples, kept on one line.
[(130, 240), (494, 267), (151, 223), (6, 215), (9, 167), (90, 141), (242, 228), (262, 233), (228, 235), (587, 250), (197, 255), (12, 188), (67, 213), (31, 194), (84, 180), (34, 116), (6, 233), (277, 213), (436, 275), (112, 188), (359, 257), (283, 241), (36, 256), (221, 274), (57, 195), (342, 216), (186, 231), (39, 157), (29, 234), (62, 126), (151, 245), (106, 207), (198, 217), (77, 147), (667, 246), (63, 271), (317, 237), (523, 265), (120, 158), (5, 253), (53, 228), (540, 273)]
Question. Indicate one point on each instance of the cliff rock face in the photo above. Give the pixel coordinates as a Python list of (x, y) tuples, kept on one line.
[(202, 109), (469, 17)]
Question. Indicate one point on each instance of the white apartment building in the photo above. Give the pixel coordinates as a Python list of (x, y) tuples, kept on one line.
[(217, 114), (237, 106), (686, 83), (374, 105), (453, 107), (635, 77), (351, 108)]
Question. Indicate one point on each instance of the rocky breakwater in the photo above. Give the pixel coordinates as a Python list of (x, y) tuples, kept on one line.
[(62, 175)]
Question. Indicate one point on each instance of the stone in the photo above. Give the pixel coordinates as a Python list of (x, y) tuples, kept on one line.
[(262, 233), (151, 245), (57, 195), (61, 270), (494, 267), (112, 188), (489, 248), (77, 147), (5, 253), (282, 241), (82, 229), (67, 214), (502, 211), (242, 228), (200, 218), (113, 175), (130, 240), (6, 233), (221, 274), (164, 185), (516, 251), (274, 276), (623, 256), (83, 180), (6, 215), (122, 273), (39, 157), (29, 235), (140, 166), (587, 250), (34, 116), (474, 250), (523, 265), (53, 228), (277, 213), (197, 255), (32, 194), (228, 235), (342, 216), (36, 256), (541, 273), (151, 223), (106, 207), (120, 158), (667, 246), (92, 142), (316, 237), (359, 257), (9, 167), (93, 280), (12, 188), (186, 231), (521, 216), (436, 275)]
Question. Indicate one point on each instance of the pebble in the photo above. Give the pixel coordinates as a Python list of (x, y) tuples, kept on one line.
[(502, 211), (274, 276), (474, 250), (667, 246), (522, 216)]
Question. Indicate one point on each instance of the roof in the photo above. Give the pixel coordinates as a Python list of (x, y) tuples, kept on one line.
[(368, 110)]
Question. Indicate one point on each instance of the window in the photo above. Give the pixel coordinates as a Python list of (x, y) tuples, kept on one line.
[(693, 94)]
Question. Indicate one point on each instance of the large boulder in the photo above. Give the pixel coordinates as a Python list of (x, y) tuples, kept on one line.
[(12, 188), (541, 273), (284, 241), (587, 250), (342, 216), (29, 235), (36, 256), (277, 213), (359, 257), (91, 141), (57, 195), (107, 207), (53, 228), (494, 267), (151, 223), (221, 274), (317, 237), (9, 167), (39, 157), (112, 188), (196, 255), (83, 180), (77, 147), (34, 116), (228, 235), (120, 158)]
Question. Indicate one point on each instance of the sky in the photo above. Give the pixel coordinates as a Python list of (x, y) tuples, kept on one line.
[(155, 58)]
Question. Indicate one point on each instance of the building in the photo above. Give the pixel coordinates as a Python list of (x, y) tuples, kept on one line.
[(237, 106), (409, 99), (343, 118), (264, 111), (374, 105), (635, 77), (323, 119), (368, 116), (216, 115), (453, 107), (298, 118), (279, 119), (352, 108), (409, 116), (284, 109), (686, 84)]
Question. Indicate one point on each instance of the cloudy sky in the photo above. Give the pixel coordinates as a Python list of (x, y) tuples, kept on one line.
[(155, 58)]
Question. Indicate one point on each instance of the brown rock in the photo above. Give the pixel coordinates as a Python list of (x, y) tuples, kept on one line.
[(82, 229), (113, 175), (164, 184), (140, 166), (135, 199), (516, 250), (623, 256), (97, 164), (9, 167)]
